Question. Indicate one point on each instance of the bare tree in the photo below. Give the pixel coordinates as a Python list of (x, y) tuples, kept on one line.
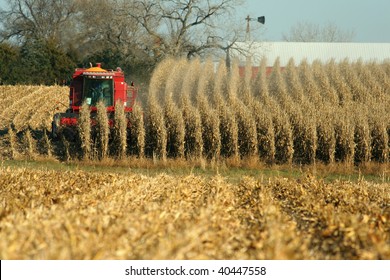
[(134, 33), (310, 32), (38, 19), (101, 24), (181, 27)]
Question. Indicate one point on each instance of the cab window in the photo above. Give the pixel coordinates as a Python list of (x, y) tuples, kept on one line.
[(96, 89)]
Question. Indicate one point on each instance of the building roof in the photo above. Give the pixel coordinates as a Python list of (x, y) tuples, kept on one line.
[(367, 52)]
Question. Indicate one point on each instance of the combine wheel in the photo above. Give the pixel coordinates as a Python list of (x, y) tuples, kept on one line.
[(70, 134), (57, 131)]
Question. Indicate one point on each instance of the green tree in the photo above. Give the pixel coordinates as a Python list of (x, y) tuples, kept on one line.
[(9, 56), (43, 62)]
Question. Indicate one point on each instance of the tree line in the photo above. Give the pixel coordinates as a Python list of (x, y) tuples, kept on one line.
[(42, 41)]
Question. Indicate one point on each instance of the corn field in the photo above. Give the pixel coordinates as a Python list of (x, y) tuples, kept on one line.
[(97, 215), (331, 113), (302, 113)]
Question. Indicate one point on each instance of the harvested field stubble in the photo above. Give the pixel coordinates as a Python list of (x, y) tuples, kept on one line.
[(305, 114), (79, 215)]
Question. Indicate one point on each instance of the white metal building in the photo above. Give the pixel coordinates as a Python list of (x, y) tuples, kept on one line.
[(367, 52)]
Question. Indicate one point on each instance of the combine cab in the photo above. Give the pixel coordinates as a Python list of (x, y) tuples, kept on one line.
[(92, 85)]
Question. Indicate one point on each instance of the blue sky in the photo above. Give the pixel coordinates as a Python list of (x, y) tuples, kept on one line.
[(370, 20)]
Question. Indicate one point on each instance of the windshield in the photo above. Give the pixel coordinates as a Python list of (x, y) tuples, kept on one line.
[(98, 89)]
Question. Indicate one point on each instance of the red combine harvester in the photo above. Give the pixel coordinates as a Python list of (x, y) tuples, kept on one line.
[(92, 85)]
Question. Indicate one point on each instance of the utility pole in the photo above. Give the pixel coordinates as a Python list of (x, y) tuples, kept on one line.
[(248, 31)]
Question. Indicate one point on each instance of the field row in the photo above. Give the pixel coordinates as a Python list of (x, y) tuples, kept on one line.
[(303, 113), (31, 107), (79, 215), (300, 114)]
